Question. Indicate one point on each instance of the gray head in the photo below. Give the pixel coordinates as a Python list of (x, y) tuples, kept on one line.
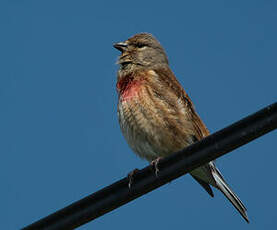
[(141, 51)]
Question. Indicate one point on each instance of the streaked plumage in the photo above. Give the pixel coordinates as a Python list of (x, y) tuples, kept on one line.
[(156, 116)]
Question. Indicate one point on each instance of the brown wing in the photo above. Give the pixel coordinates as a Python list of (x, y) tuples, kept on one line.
[(199, 129)]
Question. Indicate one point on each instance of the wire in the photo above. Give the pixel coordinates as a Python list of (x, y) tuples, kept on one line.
[(176, 165)]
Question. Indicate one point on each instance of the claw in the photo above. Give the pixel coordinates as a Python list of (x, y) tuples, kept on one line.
[(154, 164), (131, 177)]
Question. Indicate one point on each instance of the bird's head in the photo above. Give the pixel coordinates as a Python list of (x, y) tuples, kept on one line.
[(142, 50)]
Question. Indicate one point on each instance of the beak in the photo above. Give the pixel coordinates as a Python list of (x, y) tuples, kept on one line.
[(121, 46)]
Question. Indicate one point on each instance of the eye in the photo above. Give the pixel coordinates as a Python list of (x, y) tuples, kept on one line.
[(140, 45)]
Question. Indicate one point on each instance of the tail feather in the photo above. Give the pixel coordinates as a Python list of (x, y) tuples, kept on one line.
[(230, 195)]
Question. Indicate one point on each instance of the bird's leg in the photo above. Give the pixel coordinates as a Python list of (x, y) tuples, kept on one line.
[(154, 164), (131, 177)]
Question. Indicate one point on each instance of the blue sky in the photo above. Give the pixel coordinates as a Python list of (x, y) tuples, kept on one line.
[(60, 140)]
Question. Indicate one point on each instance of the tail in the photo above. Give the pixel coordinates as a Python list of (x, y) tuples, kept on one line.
[(226, 190)]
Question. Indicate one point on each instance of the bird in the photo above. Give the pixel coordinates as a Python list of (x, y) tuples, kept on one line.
[(156, 115)]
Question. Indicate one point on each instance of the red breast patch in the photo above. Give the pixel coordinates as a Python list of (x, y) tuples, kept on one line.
[(128, 87)]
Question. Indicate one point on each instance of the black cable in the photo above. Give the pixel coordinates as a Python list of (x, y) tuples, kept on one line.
[(176, 165)]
